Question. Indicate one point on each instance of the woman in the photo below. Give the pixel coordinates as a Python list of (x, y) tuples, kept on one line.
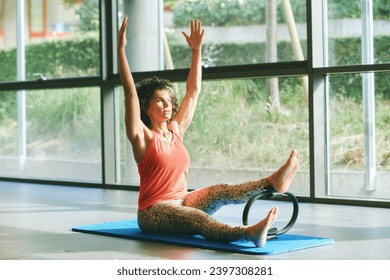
[(155, 127)]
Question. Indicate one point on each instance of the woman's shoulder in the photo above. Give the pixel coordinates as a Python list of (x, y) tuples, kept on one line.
[(174, 127)]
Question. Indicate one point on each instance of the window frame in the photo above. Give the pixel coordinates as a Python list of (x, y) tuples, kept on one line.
[(315, 68)]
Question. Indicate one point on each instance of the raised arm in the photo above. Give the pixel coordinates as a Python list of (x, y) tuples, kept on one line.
[(134, 126), (194, 80)]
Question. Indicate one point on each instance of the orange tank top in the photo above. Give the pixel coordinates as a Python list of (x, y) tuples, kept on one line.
[(163, 171)]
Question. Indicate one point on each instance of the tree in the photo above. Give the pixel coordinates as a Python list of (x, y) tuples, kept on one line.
[(272, 52)]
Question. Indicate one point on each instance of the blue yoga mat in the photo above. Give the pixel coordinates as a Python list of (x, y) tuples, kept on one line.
[(129, 229)]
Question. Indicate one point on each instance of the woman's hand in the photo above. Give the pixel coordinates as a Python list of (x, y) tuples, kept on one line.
[(196, 37), (122, 41)]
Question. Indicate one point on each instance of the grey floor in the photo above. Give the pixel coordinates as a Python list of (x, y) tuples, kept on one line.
[(36, 222)]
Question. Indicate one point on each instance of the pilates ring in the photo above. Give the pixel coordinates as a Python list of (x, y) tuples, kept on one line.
[(270, 193)]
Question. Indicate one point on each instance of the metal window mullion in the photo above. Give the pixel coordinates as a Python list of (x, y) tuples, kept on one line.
[(109, 132), (368, 84), (21, 97), (317, 58)]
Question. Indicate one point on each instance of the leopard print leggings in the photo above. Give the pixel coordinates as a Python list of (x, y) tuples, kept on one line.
[(192, 215)]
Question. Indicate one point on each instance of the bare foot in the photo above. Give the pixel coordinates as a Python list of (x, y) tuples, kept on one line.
[(258, 233), (283, 177)]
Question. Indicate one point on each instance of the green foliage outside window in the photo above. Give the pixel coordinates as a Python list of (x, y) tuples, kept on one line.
[(80, 57), (250, 95), (250, 12)]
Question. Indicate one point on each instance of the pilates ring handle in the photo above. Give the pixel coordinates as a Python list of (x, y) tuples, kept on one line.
[(270, 193)]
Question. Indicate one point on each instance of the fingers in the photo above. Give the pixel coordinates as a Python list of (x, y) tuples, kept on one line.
[(124, 24), (196, 26), (195, 38), (186, 35), (122, 34), (196, 29)]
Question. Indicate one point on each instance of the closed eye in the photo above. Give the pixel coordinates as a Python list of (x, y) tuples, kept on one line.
[(160, 99)]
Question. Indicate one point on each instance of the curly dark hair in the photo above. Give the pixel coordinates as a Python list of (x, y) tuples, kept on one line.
[(145, 91)]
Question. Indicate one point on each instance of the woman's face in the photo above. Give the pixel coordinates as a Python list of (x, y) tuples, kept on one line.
[(160, 107)]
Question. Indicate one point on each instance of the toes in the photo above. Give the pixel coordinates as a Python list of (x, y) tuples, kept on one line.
[(271, 217), (294, 153), (274, 212)]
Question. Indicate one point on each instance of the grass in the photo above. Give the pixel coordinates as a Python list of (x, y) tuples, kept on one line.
[(347, 134), (61, 124), (235, 127)]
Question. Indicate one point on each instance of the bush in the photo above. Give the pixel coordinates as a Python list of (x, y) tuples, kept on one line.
[(348, 52), (63, 58), (352, 9), (250, 12), (8, 65), (231, 13), (81, 58)]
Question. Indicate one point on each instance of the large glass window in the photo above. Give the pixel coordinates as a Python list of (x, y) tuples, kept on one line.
[(54, 39), (359, 135), (358, 32), (250, 114), (51, 134)]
